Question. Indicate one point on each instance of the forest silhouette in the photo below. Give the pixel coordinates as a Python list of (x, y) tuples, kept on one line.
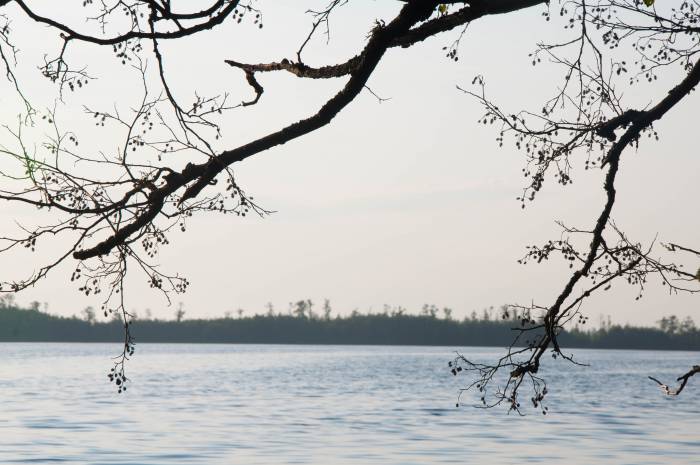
[(300, 325)]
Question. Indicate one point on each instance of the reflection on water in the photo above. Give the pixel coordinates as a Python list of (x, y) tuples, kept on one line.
[(252, 404)]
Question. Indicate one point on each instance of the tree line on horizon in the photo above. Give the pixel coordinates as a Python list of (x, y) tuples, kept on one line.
[(302, 324)]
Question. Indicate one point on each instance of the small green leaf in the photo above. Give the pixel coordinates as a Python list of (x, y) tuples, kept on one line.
[(442, 8), (648, 2)]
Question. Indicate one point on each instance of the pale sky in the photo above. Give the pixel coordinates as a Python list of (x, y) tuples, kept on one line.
[(403, 202)]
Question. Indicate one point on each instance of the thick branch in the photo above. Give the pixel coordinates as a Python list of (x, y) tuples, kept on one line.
[(641, 121), (412, 36), (204, 174), (464, 15), (302, 70)]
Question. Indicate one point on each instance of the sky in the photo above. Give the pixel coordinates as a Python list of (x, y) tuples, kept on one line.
[(404, 201)]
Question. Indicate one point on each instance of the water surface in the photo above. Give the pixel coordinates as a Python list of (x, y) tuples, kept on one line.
[(254, 404)]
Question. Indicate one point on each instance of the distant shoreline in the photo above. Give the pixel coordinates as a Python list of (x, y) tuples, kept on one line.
[(31, 325)]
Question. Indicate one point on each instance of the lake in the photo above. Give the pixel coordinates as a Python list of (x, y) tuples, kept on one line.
[(269, 404)]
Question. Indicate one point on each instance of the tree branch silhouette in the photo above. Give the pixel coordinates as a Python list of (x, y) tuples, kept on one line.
[(111, 213)]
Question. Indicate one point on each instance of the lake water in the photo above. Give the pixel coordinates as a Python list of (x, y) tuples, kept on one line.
[(251, 404)]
